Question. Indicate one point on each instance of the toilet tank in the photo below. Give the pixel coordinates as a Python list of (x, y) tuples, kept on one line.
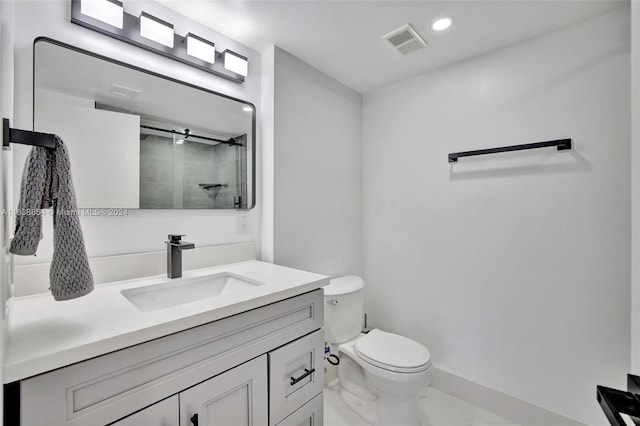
[(343, 308)]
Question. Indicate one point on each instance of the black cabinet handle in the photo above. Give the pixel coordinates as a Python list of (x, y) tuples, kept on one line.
[(194, 419), (306, 373)]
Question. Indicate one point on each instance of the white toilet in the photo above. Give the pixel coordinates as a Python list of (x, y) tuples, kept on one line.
[(381, 374)]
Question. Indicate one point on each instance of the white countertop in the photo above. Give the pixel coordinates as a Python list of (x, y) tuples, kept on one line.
[(44, 334)]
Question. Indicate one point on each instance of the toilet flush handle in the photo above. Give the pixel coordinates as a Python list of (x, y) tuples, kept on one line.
[(332, 302)]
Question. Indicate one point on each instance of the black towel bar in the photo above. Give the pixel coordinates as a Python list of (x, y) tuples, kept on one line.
[(26, 137), (562, 145)]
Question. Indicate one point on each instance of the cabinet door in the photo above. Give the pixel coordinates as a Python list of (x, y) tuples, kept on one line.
[(163, 413), (310, 414), (296, 374), (235, 398)]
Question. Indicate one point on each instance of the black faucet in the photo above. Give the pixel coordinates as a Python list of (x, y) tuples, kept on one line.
[(174, 254)]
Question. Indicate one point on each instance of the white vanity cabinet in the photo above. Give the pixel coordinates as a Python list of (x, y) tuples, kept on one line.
[(235, 398), (310, 414), (221, 372), (292, 375), (163, 413)]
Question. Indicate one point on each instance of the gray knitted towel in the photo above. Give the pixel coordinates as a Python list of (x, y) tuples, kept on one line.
[(46, 182)]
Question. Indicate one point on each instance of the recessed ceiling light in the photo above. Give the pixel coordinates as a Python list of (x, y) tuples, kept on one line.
[(442, 23)]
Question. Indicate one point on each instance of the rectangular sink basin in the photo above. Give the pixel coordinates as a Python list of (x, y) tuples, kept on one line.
[(179, 291)]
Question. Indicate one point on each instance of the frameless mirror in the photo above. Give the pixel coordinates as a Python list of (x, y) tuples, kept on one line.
[(141, 140)]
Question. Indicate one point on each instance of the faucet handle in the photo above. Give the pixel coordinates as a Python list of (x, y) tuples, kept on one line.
[(174, 238)]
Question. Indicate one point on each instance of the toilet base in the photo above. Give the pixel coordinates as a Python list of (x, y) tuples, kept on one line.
[(386, 411), (365, 409), (379, 396), (396, 411)]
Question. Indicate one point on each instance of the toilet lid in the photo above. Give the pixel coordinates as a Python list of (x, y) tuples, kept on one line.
[(344, 285), (393, 352)]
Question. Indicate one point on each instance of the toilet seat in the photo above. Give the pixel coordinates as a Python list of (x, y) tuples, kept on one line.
[(393, 352)]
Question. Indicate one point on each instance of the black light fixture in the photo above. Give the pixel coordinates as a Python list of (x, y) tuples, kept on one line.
[(236, 63), (153, 34), (200, 48), (156, 29), (108, 11)]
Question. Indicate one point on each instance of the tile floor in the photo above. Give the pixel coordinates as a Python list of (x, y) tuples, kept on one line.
[(442, 409)]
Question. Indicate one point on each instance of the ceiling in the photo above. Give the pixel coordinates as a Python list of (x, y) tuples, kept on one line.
[(344, 38)]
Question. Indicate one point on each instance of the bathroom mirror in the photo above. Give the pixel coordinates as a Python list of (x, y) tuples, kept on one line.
[(141, 140)]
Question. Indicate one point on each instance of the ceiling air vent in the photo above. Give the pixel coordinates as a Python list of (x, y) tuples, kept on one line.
[(405, 39), (125, 92)]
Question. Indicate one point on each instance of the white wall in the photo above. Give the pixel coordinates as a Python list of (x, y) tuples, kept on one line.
[(142, 230), (6, 111), (317, 170), (513, 269), (635, 187), (98, 139), (266, 147)]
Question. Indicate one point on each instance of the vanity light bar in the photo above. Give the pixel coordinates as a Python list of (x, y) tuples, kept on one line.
[(155, 35), (200, 48), (236, 63), (108, 11), (156, 29)]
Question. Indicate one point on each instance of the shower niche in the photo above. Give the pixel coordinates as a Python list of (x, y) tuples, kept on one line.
[(141, 140), (181, 168)]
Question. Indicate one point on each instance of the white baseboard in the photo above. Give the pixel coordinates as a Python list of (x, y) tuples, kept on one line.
[(504, 405)]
